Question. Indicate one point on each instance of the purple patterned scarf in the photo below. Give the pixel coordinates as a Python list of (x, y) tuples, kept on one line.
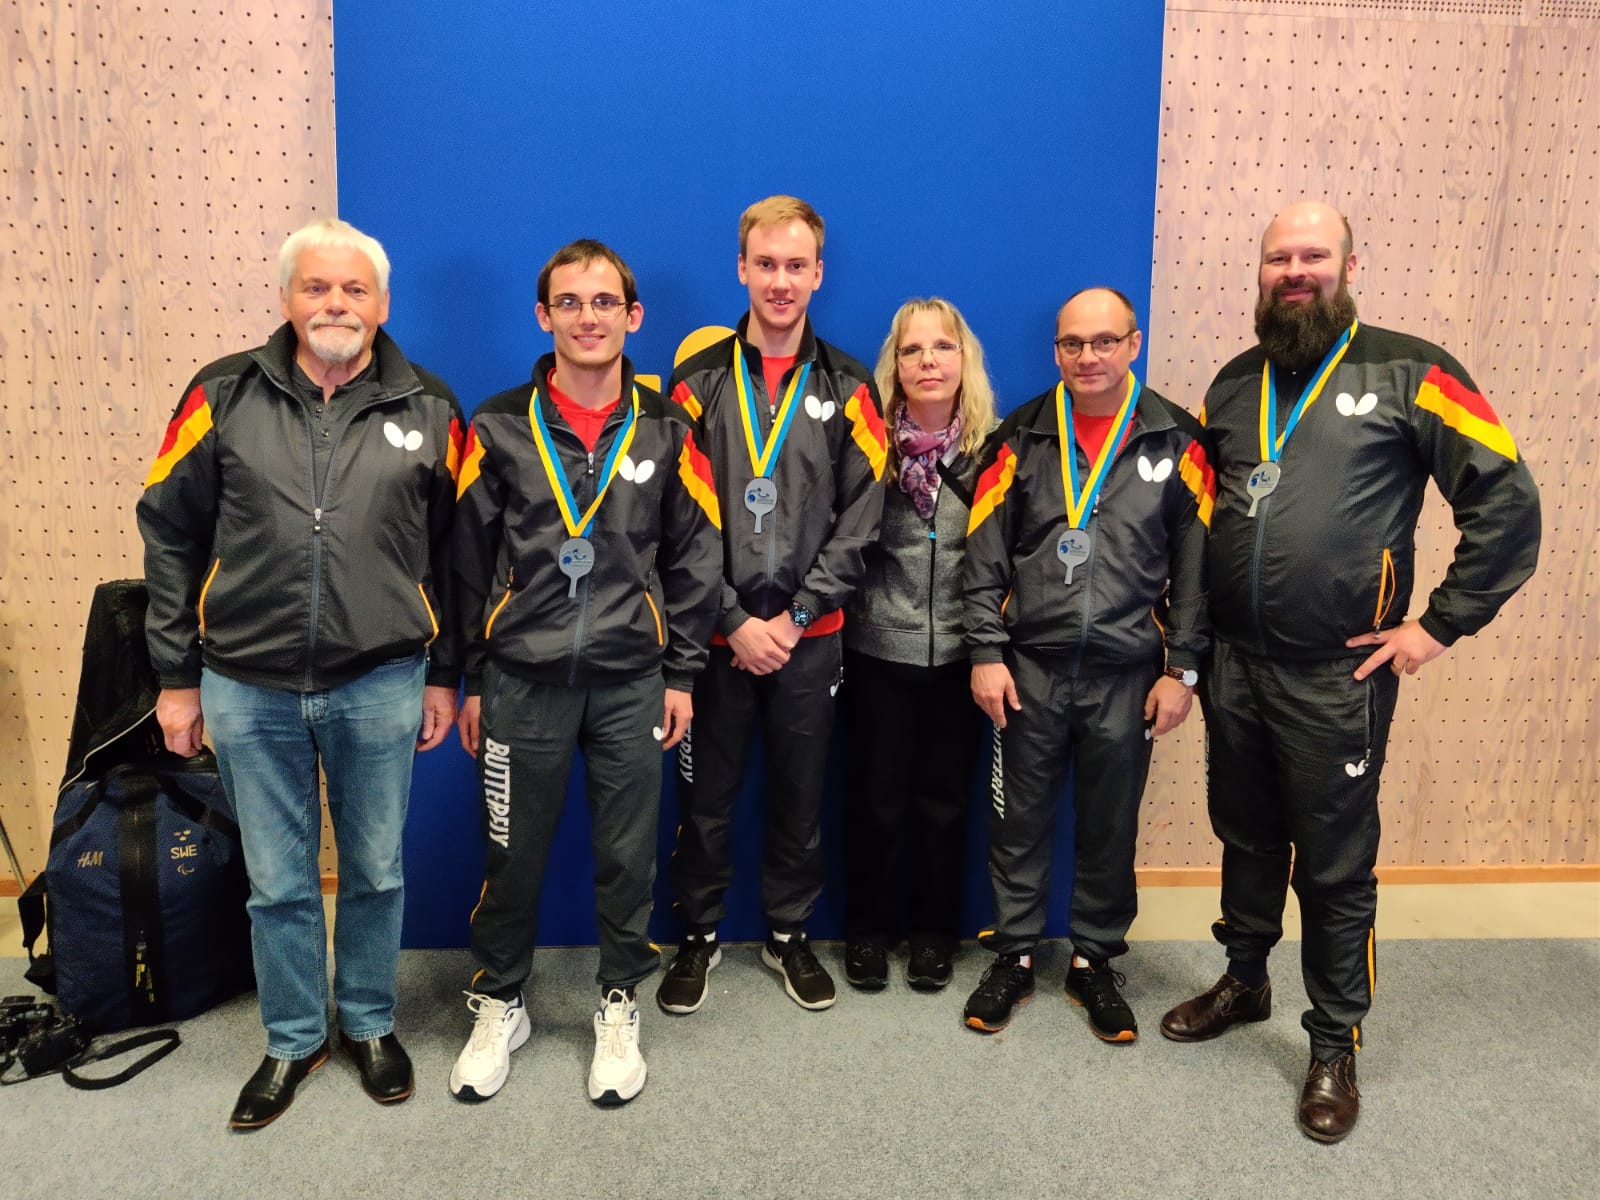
[(920, 454)]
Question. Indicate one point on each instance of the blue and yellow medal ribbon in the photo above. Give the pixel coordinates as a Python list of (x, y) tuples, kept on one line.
[(557, 475), (1081, 503), (1271, 440), (763, 457)]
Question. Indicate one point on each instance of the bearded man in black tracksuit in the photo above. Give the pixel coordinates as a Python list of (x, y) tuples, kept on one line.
[(296, 524), (796, 441), (589, 566), (1094, 498), (1325, 436)]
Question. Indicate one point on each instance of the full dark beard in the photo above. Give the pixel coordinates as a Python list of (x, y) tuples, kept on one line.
[(1296, 336)]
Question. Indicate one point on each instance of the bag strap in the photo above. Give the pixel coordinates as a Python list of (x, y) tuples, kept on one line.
[(41, 970), (203, 763), (165, 1041)]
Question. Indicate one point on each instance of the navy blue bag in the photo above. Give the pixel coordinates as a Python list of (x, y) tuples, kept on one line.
[(146, 891)]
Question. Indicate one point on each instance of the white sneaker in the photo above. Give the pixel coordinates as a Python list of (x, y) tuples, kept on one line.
[(617, 1072), (483, 1064)]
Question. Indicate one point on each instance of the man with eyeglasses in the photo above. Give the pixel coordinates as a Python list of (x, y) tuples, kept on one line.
[(797, 447), (1325, 435), (1086, 623), (589, 569)]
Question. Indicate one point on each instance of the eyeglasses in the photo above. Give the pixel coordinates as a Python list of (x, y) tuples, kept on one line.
[(1102, 345), (940, 350), (603, 305)]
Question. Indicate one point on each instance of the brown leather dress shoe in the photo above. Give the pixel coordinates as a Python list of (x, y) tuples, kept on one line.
[(270, 1091), (1330, 1103), (1214, 1012), (384, 1065)]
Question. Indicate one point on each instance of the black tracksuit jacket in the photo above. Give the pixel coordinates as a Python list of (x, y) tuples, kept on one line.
[(648, 603), (294, 545)]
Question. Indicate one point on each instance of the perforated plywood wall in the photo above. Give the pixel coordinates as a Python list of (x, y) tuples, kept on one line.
[(152, 158), (1463, 140)]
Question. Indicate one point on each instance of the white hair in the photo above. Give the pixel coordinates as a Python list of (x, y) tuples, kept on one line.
[(326, 233)]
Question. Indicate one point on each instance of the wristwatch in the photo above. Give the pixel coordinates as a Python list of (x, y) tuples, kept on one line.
[(1188, 677), (801, 615)]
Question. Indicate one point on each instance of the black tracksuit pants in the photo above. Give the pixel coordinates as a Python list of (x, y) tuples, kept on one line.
[(528, 733), (1097, 726), (794, 706), (1294, 751), (913, 740)]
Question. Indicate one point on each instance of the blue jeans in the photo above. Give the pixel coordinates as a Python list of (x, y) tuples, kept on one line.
[(268, 745)]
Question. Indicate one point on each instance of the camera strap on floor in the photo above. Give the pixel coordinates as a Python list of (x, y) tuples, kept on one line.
[(165, 1042)]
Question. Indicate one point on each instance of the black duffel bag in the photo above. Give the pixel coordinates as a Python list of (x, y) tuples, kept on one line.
[(144, 896)]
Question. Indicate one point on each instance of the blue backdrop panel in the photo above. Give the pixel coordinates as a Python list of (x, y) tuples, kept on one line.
[(1002, 156)]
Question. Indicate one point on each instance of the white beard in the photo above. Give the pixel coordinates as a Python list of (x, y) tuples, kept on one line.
[(334, 345)]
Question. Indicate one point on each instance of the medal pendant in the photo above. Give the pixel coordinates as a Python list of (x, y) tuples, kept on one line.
[(1073, 549), (760, 497), (576, 560), (1262, 483)]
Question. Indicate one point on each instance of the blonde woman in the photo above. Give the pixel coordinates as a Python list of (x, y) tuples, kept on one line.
[(914, 731)]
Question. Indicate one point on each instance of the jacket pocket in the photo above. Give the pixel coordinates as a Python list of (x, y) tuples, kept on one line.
[(433, 620), (200, 606), (661, 637), (1386, 589), (488, 626)]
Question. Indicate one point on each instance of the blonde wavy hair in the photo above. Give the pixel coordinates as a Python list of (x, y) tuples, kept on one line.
[(974, 399)]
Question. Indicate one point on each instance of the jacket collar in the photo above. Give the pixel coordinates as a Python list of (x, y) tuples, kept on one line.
[(1148, 415), (547, 363), (808, 341), (395, 376)]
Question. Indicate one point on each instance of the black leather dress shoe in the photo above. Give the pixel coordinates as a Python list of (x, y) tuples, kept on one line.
[(384, 1065), (1214, 1012), (270, 1090), (1330, 1102)]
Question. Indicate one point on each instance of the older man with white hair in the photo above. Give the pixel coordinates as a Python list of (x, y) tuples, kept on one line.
[(295, 523)]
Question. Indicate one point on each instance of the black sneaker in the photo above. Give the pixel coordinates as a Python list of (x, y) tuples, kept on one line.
[(684, 986), (866, 965), (1095, 987), (805, 979), (930, 967), (1005, 985)]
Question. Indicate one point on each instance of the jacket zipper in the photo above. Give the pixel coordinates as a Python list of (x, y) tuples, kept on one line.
[(1264, 506), (933, 553), (315, 607), (1088, 589), (317, 495), (583, 584)]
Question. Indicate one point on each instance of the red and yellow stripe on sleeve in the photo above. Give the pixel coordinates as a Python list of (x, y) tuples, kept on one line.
[(866, 427), (189, 424), (452, 453), (992, 487), (1463, 410), (471, 461), (690, 402), (1197, 474), (694, 468)]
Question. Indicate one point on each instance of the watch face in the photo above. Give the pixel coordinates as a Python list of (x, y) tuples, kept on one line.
[(1190, 678)]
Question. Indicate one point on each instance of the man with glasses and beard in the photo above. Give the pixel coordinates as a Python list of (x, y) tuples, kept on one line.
[(1325, 435)]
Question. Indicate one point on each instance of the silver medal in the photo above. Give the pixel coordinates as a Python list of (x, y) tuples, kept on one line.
[(760, 497), (576, 561), (1262, 483), (1073, 549)]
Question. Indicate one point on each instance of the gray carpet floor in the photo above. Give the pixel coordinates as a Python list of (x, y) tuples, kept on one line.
[(1481, 1077)]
